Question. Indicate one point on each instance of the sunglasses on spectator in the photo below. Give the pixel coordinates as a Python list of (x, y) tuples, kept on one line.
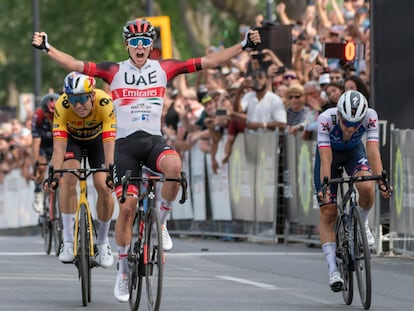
[(82, 99), (294, 96), (287, 77), (135, 41)]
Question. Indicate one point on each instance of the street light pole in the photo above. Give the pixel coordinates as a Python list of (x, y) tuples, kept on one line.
[(149, 8), (37, 69)]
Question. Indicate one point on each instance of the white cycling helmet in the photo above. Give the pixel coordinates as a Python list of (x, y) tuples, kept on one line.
[(352, 106), (77, 84)]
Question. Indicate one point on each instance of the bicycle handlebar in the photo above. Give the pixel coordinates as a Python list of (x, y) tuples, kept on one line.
[(127, 178), (352, 179), (80, 173)]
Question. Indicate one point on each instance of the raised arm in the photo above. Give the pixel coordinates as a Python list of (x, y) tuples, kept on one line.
[(39, 41)]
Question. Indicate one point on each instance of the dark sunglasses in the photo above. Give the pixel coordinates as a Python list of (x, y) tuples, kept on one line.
[(286, 77), (294, 96), (351, 124), (135, 41), (74, 99)]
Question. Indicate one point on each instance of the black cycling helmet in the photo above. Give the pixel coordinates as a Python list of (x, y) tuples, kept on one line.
[(137, 28), (48, 102)]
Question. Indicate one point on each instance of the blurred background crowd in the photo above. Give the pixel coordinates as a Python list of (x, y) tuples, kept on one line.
[(259, 90)]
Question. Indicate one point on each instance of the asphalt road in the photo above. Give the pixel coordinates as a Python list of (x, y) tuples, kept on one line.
[(202, 275)]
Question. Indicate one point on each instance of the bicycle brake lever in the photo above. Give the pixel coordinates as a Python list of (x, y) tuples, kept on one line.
[(125, 182)]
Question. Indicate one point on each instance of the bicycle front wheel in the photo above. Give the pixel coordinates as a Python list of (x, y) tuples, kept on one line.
[(135, 259), (343, 259), (46, 225), (362, 259), (154, 261), (83, 254)]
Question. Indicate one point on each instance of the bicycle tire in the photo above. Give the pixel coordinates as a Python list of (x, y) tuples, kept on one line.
[(154, 264), (46, 224), (135, 264), (362, 260), (83, 254), (344, 262), (57, 227)]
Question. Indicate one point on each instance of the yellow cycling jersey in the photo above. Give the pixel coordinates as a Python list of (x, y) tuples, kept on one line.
[(101, 119)]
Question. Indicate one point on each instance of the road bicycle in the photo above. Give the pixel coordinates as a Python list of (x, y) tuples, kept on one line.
[(146, 255), (50, 220), (352, 252), (83, 245)]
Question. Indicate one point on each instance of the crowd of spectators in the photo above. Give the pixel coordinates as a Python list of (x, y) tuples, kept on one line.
[(255, 91)]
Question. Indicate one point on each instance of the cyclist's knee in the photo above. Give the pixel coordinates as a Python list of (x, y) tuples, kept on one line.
[(328, 213), (170, 165)]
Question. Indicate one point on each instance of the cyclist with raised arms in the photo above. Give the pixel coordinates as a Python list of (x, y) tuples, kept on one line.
[(138, 87), (340, 133), (42, 144), (84, 119)]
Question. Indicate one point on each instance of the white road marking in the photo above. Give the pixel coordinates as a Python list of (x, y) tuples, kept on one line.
[(248, 282)]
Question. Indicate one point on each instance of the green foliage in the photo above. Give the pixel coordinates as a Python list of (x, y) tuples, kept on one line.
[(91, 30)]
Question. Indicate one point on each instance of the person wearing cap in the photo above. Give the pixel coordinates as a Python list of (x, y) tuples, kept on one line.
[(296, 109)]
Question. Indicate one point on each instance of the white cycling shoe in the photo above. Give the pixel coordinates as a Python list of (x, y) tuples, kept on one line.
[(121, 291), (167, 243), (66, 252), (336, 282), (104, 255)]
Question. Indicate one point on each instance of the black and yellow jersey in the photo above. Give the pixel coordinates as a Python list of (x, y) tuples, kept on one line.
[(100, 120)]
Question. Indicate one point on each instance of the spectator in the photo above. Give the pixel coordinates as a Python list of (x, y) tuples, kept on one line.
[(355, 83), (296, 110), (334, 90), (265, 110)]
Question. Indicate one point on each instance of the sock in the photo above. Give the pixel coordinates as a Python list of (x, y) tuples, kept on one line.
[(165, 210), (330, 256), (103, 231), (364, 215), (123, 259), (68, 222)]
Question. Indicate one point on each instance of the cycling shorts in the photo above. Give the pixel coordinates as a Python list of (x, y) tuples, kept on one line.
[(96, 155)]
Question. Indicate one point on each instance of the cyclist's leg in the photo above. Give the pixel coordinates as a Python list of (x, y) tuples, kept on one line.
[(366, 190), (68, 199), (125, 159), (328, 216)]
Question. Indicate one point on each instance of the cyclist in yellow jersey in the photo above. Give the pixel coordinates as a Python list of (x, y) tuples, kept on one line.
[(84, 118)]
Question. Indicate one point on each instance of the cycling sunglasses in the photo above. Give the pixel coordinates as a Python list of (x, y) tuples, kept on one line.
[(82, 99), (351, 124), (135, 41)]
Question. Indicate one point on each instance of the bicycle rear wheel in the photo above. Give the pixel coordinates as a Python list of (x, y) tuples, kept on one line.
[(46, 225), (83, 255), (154, 261), (344, 262), (135, 258), (362, 259), (57, 226)]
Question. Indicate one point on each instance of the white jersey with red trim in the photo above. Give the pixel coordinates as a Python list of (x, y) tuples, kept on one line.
[(138, 93), (330, 133)]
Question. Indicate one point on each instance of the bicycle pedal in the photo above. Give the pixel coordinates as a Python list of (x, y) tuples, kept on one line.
[(337, 287)]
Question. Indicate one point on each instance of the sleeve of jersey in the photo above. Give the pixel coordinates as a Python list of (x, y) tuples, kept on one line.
[(372, 126), (60, 130), (174, 67), (105, 70), (324, 128), (108, 122)]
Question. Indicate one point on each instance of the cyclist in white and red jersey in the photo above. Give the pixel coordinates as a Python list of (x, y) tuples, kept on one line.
[(339, 142), (138, 86)]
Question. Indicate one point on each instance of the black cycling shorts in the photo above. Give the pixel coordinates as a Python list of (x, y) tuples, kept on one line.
[(96, 156)]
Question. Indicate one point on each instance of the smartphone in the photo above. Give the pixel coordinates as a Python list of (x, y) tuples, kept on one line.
[(313, 55)]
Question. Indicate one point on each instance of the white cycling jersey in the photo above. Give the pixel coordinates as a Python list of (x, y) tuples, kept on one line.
[(138, 93)]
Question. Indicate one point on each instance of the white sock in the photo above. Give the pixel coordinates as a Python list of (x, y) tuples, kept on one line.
[(103, 231), (123, 259), (330, 255), (364, 215), (68, 222), (165, 210)]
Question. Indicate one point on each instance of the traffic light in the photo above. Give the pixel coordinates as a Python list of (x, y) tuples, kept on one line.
[(162, 46)]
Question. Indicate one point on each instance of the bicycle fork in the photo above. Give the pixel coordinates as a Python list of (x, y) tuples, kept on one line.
[(83, 200)]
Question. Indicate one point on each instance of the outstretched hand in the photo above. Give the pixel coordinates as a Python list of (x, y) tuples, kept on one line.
[(39, 41), (251, 39)]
